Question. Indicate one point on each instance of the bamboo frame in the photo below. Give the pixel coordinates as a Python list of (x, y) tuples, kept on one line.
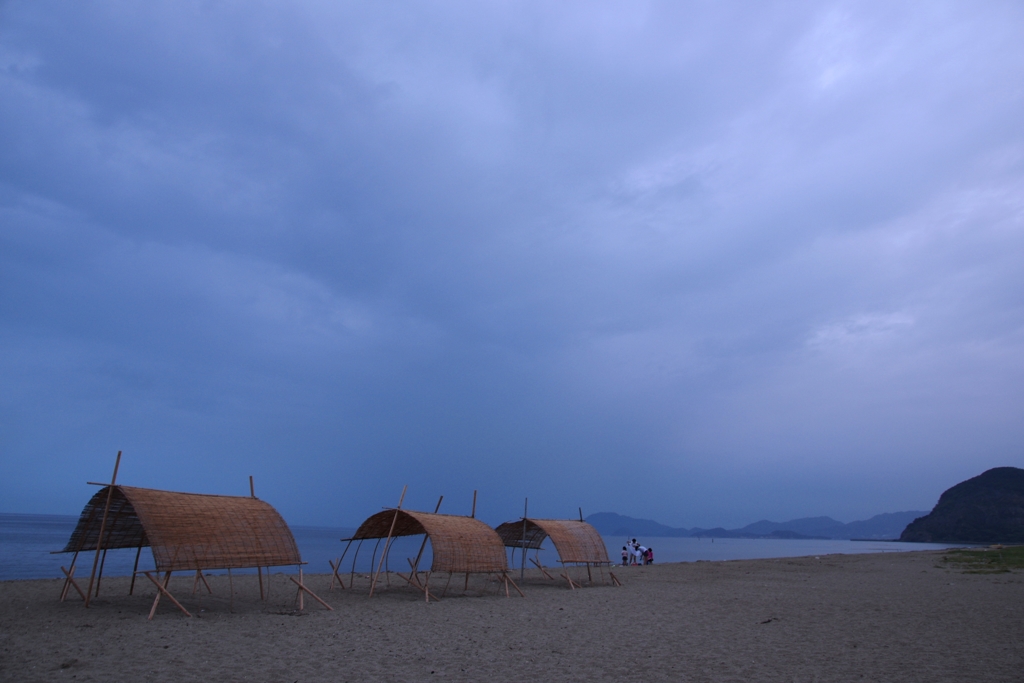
[(185, 531), (576, 542), (460, 545)]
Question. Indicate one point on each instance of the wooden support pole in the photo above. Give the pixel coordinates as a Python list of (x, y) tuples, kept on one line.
[(231, 591), (509, 580), (335, 574), (200, 578), (413, 573), (302, 589), (541, 568), (259, 573), (135, 569), (302, 604), (67, 585), (103, 528), (338, 569), (522, 560), (445, 591), (162, 590), (70, 582), (615, 579), (423, 545), (473, 514), (99, 574), (388, 542), (252, 488)]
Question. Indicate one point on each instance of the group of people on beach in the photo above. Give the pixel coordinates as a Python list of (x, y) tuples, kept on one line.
[(634, 554)]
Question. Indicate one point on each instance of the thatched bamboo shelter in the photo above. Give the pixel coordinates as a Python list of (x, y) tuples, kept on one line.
[(185, 531), (459, 545), (576, 542)]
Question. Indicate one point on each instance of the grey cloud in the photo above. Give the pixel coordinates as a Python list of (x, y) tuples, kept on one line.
[(700, 263)]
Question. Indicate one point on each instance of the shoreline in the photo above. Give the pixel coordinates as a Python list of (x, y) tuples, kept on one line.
[(890, 616)]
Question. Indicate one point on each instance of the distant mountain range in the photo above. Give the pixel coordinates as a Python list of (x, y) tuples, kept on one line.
[(886, 526)]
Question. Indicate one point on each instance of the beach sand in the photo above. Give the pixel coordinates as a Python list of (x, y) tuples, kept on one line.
[(882, 617)]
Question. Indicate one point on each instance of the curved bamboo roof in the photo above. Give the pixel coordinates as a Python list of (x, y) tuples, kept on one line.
[(188, 531), (460, 544), (575, 541)]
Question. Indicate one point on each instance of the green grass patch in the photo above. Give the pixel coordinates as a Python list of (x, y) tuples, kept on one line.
[(987, 560)]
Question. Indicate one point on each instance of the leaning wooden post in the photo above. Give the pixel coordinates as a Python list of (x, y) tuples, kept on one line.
[(522, 568), (135, 570), (423, 546), (388, 541), (103, 528), (473, 514)]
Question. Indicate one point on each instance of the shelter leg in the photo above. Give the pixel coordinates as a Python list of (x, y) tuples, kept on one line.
[(99, 577), (565, 575), (387, 543), (373, 563), (135, 569), (414, 576), (355, 556), (162, 590), (302, 605), (340, 560), (103, 525), (302, 589), (445, 591), (412, 581), (509, 579), (231, 590), (69, 582), (589, 577), (426, 586), (259, 573), (615, 579), (335, 575), (466, 587), (541, 568)]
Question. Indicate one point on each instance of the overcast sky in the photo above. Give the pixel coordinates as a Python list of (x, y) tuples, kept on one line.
[(705, 263)]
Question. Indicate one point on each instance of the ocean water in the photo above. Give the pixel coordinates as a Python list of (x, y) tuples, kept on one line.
[(26, 542), (719, 549)]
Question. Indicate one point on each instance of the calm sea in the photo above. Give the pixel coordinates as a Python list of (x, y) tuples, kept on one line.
[(26, 542)]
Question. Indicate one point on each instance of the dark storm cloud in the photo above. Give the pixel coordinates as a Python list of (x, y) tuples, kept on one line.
[(704, 263)]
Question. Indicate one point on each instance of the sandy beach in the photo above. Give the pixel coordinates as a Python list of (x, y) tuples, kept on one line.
[(882, 617)]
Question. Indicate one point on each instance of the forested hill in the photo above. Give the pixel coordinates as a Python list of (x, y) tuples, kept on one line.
[(988, 508)]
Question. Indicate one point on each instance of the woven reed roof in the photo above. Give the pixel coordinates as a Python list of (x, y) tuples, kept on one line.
[(459, 544), (188, 531), (575, 541)]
